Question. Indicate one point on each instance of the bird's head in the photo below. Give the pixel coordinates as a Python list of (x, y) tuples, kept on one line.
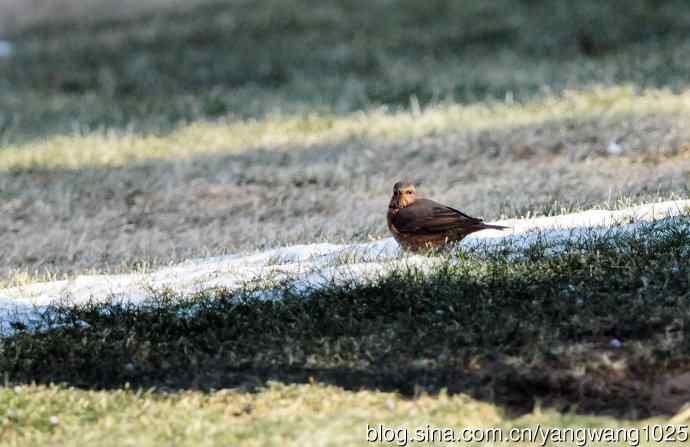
[(404, 194)]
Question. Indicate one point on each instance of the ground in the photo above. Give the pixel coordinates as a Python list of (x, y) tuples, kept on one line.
[(133, 141)]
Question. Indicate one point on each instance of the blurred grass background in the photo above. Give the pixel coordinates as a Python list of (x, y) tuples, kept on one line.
[(101, 64)]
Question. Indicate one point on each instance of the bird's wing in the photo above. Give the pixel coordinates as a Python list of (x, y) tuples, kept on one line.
[(425, 216)]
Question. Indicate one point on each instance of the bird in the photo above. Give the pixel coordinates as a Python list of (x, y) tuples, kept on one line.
[(419, 224)]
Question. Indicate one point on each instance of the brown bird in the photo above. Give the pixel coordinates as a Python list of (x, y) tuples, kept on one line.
[(422, 224)]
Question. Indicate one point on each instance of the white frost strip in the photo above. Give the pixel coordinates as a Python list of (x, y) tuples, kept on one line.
[(309, 266)]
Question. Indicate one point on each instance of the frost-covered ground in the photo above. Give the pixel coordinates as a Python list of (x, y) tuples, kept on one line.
[(304, 267)]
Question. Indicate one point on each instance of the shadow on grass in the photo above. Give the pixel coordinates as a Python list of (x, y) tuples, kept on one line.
[(595, 330)]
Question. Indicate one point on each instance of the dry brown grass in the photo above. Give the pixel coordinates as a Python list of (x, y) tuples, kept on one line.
[(67, 220)]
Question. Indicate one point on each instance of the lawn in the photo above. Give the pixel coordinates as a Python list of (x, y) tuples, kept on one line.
[(593, 337), (134, 141)]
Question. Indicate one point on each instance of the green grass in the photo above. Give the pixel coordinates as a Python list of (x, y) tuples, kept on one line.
[(518, 333), (282, 133), (239, 60), (276, 415)]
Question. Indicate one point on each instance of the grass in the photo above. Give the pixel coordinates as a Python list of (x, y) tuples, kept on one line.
[(118, 201), (277, 415), (176, 139), (289, 133), (18, 15), (239, 60), (523, 334), (133, 141)]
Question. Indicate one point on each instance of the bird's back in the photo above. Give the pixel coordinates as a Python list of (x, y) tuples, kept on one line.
[(426, 216), (429, 224)]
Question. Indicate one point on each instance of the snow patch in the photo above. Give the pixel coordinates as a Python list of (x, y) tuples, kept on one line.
[(304, 267)]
